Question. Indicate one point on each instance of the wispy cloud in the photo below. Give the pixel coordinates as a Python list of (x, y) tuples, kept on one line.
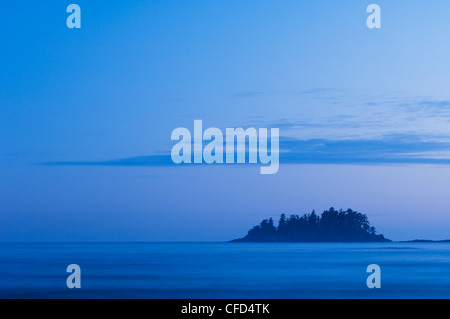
[(427, 107), (247, 94), (391, 149), (359, 129), (316, 91), (150, 160), (397, 149)]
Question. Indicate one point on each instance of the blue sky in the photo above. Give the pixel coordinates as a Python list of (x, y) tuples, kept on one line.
[(87, 114)]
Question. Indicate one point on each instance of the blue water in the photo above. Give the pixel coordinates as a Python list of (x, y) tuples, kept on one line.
[(225, 270)]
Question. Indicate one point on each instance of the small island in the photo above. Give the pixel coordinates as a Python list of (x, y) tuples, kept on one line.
[(331, 226)]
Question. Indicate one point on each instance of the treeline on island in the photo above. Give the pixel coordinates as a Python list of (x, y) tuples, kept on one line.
[(331, 226)]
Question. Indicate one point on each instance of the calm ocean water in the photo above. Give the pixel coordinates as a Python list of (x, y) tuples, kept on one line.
[(225, 270)]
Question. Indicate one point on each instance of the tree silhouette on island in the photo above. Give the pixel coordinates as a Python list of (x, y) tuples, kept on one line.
[(331, 226)]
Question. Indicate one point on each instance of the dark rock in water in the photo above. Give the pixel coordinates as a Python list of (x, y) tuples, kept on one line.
[(426, 241)]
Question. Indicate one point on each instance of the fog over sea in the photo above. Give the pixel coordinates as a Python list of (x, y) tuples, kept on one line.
[(225, 270)]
